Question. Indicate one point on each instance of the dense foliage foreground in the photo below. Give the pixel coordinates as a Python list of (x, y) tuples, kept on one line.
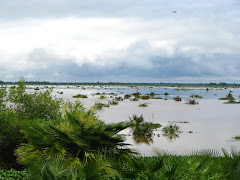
[(42, 137)]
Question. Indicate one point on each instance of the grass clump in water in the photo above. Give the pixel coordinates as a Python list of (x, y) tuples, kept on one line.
[(196, 96), (171, 131), (192, 102), (80, 96), (118, 99), (143, 105), (99, 105), (228, 97), (141, 128), (127, 96), (102, 97), (134, 99), (237, 138), (146, 97), (177, 98), (113, 102)]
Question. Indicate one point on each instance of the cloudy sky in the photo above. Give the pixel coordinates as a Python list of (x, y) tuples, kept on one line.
[(120, 40)]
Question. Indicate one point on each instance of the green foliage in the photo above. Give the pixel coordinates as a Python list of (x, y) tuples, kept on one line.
[(37, 105), (136, 94), (77, 137), (228, 97), (14, 175), (141, 128), (232, 102), (134, 99), (146, 97), (99, 105), (156, 98), (177, 98), (118, 99), (196, 96), (171, 131), (102, 97), (237, 138), (80, 96), (113, 102), (10, 137), (143, 105), (127, 96), (192, 102), (3, 96), (152, 94), (18, 108)]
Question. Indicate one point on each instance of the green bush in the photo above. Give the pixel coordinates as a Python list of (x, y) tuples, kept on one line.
[(141, 128), (14, 175), (75, 139), (80, 96), (99, 105), (19, 108)]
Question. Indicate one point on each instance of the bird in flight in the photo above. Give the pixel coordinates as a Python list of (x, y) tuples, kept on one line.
[(174, 11)]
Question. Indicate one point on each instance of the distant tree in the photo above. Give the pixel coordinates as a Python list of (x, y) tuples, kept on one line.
[(222, 84)]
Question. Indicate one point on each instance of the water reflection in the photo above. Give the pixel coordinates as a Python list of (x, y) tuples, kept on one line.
[(171, 136), (143, 140), (171, 131)]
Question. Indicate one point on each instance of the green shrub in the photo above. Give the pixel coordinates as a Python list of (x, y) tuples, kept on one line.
[(171, 131), (22, 109), (192, 102), (127, 96), (195, 96), (134, 99), (102, 97), (80, 96), (99, 105), (14, 175), (72, 141), (146, 97), (141, 128), (118, 99), (143, 105), (113, 102)]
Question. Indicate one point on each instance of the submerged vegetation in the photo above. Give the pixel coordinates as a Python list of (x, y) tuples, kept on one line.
[(237, 138), (195, 96), (143, 105), (113, 102), (80, 96), (141, 128), (171, 131), (99, 105), (177, 98), (192, 102), (230, 99), (127, 96)]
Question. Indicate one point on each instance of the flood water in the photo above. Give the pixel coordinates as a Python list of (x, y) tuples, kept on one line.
[(213, 123)]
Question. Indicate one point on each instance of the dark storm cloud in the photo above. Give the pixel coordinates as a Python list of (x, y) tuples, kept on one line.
[(162, 69)]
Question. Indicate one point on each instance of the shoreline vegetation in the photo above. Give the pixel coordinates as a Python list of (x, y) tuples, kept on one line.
[(44, 137), (210, 85)]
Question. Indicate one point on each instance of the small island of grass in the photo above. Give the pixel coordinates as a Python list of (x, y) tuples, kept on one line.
[(80, 96)]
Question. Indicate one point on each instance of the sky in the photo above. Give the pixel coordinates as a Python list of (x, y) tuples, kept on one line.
[(120, 40)]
